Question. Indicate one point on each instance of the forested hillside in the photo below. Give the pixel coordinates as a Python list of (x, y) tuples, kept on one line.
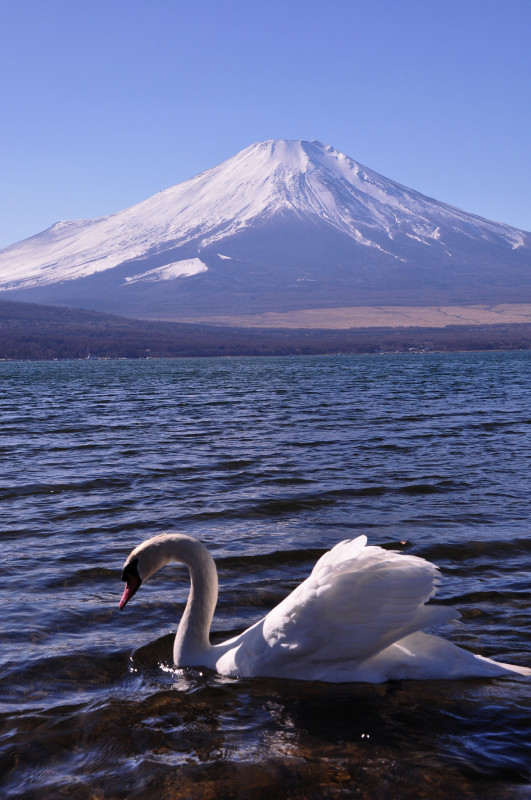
[(30, 331)]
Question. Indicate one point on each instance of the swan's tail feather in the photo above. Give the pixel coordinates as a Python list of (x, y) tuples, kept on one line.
[(510, 667)]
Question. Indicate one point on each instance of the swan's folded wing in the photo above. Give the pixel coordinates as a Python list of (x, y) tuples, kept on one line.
[(357, 601)]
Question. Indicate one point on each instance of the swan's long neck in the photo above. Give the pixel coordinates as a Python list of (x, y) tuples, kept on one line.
[(192, 639)]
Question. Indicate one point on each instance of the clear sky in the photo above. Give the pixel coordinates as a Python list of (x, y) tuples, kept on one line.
[(105, 102)]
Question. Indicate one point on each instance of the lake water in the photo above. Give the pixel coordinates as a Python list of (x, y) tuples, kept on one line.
[(269, 462)]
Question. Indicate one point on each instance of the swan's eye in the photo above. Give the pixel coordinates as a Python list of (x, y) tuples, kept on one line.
[(131, 571)]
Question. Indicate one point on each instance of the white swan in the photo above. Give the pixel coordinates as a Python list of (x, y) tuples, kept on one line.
[(358, 617)]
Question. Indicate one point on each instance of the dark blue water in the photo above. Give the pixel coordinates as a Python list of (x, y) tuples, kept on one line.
[(269, 462)]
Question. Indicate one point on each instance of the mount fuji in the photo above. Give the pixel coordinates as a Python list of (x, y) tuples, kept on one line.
[(283, 225)]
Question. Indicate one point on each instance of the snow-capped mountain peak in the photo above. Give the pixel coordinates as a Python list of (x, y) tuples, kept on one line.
[(292, 188)]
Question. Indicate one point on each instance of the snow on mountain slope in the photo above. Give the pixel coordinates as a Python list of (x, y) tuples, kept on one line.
[(179, 269), (309, 180)]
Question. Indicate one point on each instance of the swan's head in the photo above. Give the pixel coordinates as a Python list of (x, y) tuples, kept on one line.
[(143, 562), (132, 580)]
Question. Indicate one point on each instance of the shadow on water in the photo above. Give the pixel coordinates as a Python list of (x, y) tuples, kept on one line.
[(141, 729)]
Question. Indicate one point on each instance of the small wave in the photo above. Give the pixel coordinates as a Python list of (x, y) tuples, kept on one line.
[(471, 551), (82, 576), (481, 597), (33, 489), (47, 679), (289, 504), (234, 463), (272, 559)]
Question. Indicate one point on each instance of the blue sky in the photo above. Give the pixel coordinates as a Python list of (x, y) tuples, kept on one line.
[(105, 102)]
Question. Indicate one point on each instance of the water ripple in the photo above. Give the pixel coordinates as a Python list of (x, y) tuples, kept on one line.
[(270, 462)]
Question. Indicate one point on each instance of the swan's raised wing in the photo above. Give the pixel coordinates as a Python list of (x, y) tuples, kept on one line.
[(357, 601)]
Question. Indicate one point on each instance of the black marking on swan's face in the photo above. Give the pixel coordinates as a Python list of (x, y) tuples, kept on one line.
[(132, 580)]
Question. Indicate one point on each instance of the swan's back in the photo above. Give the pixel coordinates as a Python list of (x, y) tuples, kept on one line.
[(358, 616)]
